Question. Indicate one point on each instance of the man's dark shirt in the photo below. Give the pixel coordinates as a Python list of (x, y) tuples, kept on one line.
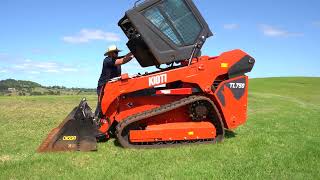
[(109, 71)]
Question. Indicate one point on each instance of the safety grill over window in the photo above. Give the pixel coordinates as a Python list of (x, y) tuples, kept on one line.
[(175, 20)]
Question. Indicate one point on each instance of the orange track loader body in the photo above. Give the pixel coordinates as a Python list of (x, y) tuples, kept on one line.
[(206, 76), (193, 100)]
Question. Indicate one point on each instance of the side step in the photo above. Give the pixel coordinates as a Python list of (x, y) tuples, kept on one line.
[(174, 132), (76, 133)]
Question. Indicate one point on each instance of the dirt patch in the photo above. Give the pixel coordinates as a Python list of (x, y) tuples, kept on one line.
[(5, 158), (286, 98)]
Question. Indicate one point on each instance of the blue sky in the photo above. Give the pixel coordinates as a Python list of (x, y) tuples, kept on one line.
[(62, 42)]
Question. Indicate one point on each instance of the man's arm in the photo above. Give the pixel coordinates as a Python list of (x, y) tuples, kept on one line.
[(124, 60)]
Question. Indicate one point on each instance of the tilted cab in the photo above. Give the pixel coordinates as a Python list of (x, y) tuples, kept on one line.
[(164, 31)]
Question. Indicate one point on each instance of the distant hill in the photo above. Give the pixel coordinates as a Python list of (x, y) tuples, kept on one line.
[(17, 84), (12, 87)]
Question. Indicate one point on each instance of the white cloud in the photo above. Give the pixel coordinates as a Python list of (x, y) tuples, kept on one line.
[(3, 71), (272, 31), (36, 67), (3, 55), (69, 69), (231, 26), (20, 66), (52, 71), (316, 23), (45, 65), (33, 72), (86, 35), (31, 77)]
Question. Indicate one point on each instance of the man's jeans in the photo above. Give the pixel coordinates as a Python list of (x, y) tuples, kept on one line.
[(98, 108)]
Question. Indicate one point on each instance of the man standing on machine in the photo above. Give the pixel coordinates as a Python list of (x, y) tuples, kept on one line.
[(111, 69)]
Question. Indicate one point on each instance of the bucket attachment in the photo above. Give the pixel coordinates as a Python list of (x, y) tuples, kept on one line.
[(76, 133)]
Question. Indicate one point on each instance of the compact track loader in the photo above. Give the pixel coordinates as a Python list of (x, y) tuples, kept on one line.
[(194, 99)]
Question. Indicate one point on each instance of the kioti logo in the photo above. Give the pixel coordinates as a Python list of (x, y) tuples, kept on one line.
[(157, 80)]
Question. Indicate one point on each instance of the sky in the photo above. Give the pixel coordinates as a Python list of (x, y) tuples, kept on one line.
[(62, 42)]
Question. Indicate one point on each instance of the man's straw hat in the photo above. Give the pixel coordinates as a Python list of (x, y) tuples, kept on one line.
[(112, 48)]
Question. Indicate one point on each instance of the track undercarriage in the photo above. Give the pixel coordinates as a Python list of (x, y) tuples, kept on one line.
[(211, 131)]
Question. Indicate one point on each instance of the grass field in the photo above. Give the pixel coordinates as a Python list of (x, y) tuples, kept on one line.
[(281, 140)]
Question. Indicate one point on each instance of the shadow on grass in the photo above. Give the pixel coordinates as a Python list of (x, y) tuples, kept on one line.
[(104, 140), (116, 143), (229, 134)]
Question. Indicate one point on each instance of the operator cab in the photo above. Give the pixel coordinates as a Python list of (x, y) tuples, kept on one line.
[(164, 31)]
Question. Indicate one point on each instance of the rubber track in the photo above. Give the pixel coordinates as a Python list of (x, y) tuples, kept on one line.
[(124, 139)]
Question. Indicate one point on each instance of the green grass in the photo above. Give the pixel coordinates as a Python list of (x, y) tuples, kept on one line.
[(281, 140)]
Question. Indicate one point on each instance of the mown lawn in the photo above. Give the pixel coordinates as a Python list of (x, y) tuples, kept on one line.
[(281, 140)]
